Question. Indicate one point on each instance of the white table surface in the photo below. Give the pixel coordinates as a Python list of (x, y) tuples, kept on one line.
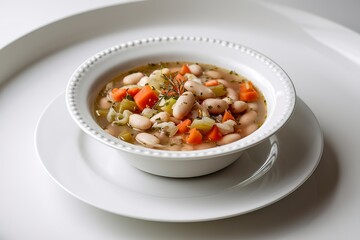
[(19, 17), (317, 218)]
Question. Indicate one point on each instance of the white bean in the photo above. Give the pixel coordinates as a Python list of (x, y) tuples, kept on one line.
[(228, 100), (213, 74), (176, 140), (148, 112), (232, 89), (238, 106), (204, 145), (228, 84), (215, 106), (169, 127), (139, 122), (247, 130), (253, 106), (195, 69), (183, 105), (192, 77), (248, 118), (233, 94), (174, 120), (162, 136), (194, 113), (187, 147), (143, 81), (159, 72), (160, 117), (229, 139), (147, 139), (226, 127), (133, 78), (199, 90), (104, 103)]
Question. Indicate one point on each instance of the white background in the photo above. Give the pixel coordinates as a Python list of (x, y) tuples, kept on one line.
[(18, 17)]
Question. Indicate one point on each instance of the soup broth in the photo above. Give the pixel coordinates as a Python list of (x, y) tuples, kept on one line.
[(180, 106)]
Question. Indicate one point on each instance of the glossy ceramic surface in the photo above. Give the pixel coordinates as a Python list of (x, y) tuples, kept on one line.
[(91, 76), (99, 175)]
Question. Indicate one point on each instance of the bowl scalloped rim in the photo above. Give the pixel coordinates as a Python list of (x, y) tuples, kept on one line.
[(72, 99)]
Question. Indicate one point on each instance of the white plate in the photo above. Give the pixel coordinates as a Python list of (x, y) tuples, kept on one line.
[(72, 159)]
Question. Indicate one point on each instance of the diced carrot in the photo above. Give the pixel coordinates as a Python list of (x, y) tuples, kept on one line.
[(195, 137), (248, 92), (118, 94), (146, 97), (184, 69), (133, 91), (246, 86), (250, 96), (211, 83), (227, 116), (214, 134), (184, 126), (180, 78)]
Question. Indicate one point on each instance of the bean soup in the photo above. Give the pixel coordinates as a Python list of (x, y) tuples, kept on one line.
[(180, 106)]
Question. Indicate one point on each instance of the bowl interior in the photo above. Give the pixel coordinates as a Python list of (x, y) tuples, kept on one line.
[(95, 72)]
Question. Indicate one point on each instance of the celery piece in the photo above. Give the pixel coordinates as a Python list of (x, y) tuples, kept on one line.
[(126, 136), (204, 124), (126, 104), (157, 81), (168, 127), (122, 119), (148, 112), (167, 107), (219, 90), (111, 115)]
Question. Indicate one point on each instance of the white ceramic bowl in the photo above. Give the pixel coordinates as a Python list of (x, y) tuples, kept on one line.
[(272, 81)]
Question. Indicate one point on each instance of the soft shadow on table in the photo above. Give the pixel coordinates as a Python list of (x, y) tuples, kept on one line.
[(296, 210)]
